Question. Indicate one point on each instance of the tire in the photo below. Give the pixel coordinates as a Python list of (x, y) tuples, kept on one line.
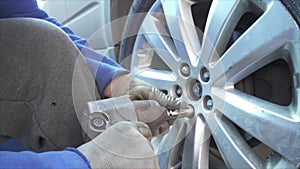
[(139, 6), (294, 7), (127, 42), (270, 85)]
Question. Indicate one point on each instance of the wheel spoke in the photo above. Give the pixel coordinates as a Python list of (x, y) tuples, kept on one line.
[(269, 123), (294, 54), (222, 18), (163, 80), (296, 103), (254, 48), (158, 38), (196, 156), (170, 146), (234, 149), (182, 29)]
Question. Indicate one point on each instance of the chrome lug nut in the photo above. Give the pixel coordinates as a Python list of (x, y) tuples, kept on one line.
[(185, 70), (197, 89), (194, 89)]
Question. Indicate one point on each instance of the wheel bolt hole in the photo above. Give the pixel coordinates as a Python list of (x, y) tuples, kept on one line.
[(204, 75), (208, 103)]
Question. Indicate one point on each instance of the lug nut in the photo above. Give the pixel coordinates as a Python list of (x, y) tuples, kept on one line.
[(178, 91), (185, 70), (204, 74), (208, 103), (197, 89), (194, 89)]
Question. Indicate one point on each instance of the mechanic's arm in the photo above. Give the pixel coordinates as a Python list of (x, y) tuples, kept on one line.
[(103, 68), (68, 158), (104, 151)]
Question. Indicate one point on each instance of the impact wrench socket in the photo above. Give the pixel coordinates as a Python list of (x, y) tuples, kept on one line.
[(184, 112)]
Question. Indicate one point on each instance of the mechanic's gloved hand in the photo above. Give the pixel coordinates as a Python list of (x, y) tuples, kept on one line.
[(123, 145), (107, 112), (151, 113), (139, 90)]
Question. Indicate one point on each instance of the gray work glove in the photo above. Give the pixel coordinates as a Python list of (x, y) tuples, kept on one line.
[(122, 145), (151, 113), (139, 90)]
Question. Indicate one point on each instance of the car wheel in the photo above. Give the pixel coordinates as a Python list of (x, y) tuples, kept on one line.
[(237, 63)]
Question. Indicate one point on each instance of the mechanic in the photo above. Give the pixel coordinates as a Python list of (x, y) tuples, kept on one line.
[(36, 75)]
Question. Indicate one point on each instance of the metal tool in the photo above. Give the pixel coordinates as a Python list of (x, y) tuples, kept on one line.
[(188, 112), (102, 114)]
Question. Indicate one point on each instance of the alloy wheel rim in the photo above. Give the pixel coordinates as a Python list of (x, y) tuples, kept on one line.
[(191, 55)]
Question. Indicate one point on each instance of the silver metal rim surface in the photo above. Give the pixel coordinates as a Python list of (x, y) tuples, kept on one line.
[(195, 57)]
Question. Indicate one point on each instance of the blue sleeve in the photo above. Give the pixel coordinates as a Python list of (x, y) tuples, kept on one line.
[(103, 68), (69, 158)]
